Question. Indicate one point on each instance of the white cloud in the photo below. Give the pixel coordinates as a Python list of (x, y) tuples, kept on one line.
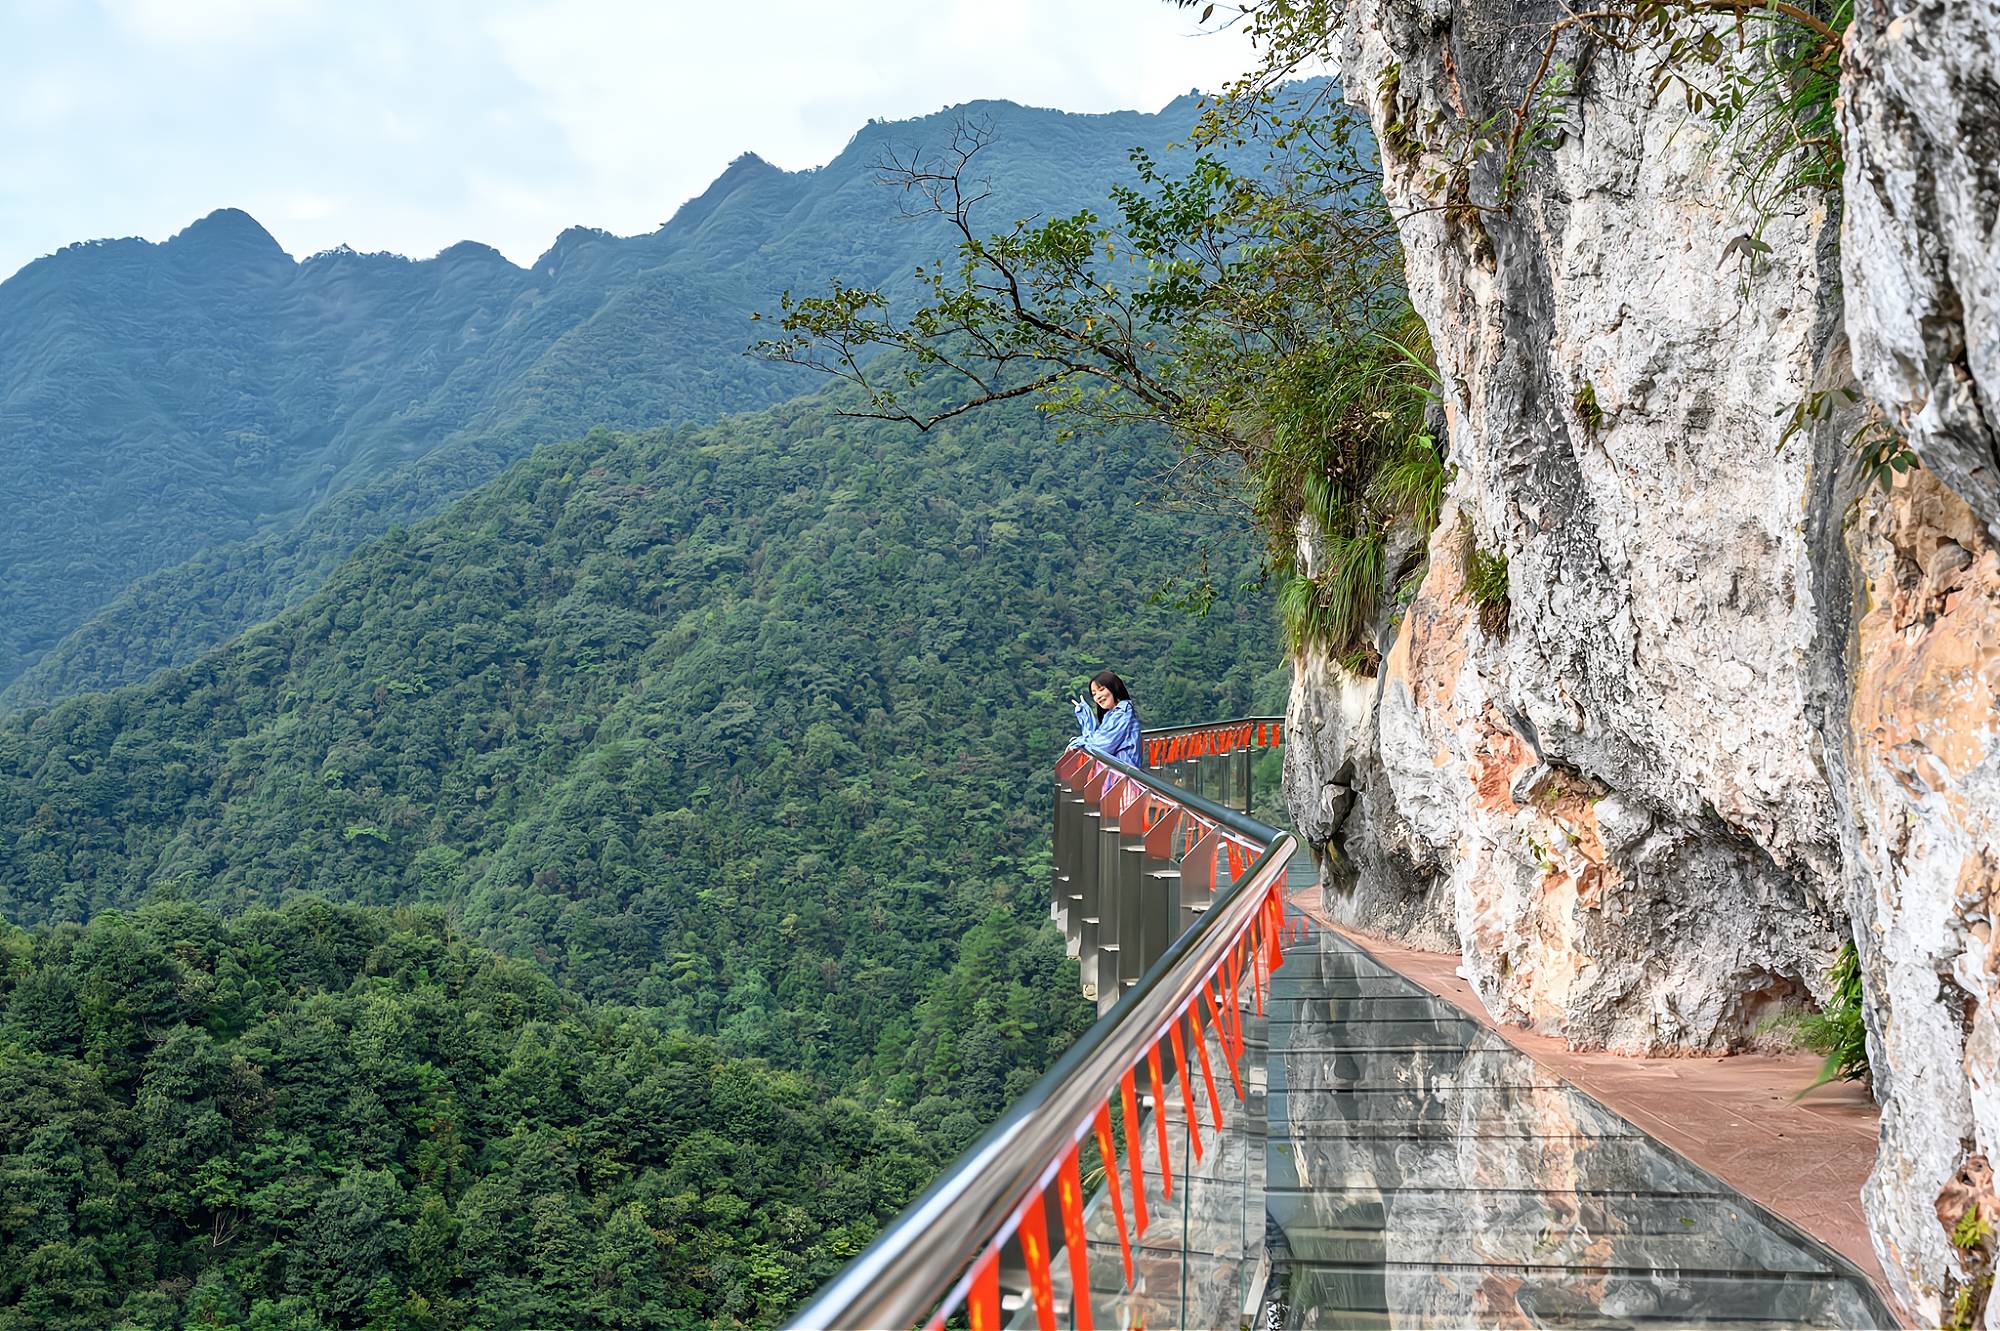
[(409, 126), (208, 28), (307, 206)]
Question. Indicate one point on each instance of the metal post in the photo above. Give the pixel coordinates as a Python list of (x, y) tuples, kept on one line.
[(1134, 947), (1059, 870), (1073, 831)]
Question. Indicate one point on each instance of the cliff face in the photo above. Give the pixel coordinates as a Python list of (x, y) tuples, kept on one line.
[(1614, 792), (1921, 127), (1736, 704), (1923, 799), (1921, 741)]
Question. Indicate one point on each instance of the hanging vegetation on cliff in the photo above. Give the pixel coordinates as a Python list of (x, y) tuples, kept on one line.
[(1251, 302)]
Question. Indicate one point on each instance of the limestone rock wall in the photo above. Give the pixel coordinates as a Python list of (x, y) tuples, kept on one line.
[(1615, 796), (1738, 705), (1924, 791), (1920, 122)]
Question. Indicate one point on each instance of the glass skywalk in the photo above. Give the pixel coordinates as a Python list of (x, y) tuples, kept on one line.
[(1397, 1164), (1362, 1153)]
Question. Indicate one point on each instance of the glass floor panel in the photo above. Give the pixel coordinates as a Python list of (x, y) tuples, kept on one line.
[(1588, 1164), (1468, 1111), (1418, 1171), (1393, 1294), (1400, 1069), (1538, 1229)]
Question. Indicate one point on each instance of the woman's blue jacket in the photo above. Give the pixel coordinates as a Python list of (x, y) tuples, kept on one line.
[(1115, 734)]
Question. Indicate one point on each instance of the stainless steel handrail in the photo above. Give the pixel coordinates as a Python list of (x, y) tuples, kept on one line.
[(897, 1280)]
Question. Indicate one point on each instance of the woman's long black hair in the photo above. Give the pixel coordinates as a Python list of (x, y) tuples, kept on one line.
[(1118, 691)]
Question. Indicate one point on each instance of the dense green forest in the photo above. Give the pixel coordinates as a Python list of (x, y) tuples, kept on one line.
[(335, 1116), (733, 740), (755, 682), (193, 435)]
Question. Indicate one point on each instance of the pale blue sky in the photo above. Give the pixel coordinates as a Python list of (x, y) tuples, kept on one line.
[(408, 126)]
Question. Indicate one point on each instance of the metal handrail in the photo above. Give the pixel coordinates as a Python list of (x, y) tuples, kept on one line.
[(915, 1263), (1258, 833)]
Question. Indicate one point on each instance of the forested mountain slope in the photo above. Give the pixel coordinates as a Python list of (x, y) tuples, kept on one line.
[(194, 434), (337, 1116), (735, 739), (749, 723)]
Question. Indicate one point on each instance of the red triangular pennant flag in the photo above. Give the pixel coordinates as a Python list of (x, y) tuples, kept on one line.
[(1236, 993), (1034, 1235), (1257, 968), (1223, 1038), (1207, 1073), (1069, 1200), (982, 1305), (1187, 1086), (1278, 912), (1109, 1151), (1160, 1119), (1131, 1103)]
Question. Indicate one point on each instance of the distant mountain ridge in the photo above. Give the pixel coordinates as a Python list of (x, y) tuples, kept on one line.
[(197, 431)]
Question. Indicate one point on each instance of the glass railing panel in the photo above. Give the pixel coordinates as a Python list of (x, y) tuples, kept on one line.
[(1197, 1261)]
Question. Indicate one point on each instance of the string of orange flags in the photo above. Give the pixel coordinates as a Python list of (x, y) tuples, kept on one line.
[(1250, 958), (1213, 740)]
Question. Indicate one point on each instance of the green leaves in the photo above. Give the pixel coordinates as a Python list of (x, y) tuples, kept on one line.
[(1838, 1030), (1764, 73), (1880, 451), (1411, 482), (786, 802), (1486, 578), (665, 1185), (1250, 302)]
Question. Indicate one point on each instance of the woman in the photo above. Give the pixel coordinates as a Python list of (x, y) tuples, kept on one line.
[(1109, 722)]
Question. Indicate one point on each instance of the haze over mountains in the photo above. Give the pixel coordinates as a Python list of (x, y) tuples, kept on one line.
[(197, 432)]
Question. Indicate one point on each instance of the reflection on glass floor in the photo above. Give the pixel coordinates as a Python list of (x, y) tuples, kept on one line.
[(1420, 1172)]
